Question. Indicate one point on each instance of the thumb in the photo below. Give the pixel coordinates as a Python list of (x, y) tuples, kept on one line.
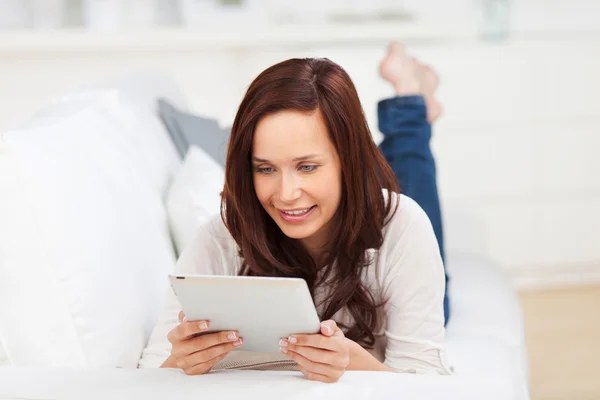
[(330, 328)]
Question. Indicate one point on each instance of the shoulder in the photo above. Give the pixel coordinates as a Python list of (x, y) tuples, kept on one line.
[(212, 251), (410, 249), (216, 229), (213, 234), (405, 215), (408, 236)]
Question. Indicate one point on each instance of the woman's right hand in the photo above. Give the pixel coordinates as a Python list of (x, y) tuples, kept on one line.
[(197, 355)]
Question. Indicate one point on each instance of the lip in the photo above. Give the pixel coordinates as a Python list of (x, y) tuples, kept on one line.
[(296, 218)]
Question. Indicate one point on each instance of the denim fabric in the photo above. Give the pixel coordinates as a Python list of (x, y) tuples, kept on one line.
[(403, 122)]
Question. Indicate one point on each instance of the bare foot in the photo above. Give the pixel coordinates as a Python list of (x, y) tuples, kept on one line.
[(400, 70), (409, 77)]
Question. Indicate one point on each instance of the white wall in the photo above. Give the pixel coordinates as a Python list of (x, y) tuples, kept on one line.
[(517, 144)]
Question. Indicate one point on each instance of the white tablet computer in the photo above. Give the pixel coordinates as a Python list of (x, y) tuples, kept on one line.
[(262, 310)]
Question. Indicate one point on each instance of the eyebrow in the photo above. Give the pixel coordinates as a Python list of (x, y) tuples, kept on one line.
[(303, 158)]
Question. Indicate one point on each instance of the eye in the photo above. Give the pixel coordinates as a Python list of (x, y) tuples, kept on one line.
[(308, 168), (264, 170)]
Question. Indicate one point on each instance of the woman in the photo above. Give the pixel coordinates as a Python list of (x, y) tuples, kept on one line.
[(308, 194)]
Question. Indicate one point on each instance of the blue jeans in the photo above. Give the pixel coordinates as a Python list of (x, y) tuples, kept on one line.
[(403, 122)]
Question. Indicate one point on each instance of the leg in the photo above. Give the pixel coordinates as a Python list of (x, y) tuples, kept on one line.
[(404, 122)]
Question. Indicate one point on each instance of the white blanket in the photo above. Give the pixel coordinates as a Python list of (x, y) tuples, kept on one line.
[(160, 384)]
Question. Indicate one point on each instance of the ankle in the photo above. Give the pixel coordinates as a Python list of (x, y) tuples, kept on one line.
[(407, 88)]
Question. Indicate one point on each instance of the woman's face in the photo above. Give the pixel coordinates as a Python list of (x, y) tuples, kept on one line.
[(297, 174)]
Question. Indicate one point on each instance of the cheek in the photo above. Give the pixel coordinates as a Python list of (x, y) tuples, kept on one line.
[(262, 189), (329, 190)]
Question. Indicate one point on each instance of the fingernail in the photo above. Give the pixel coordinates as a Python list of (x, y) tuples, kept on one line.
[(231, 335), (283, 349), (292, 339), (237, 343), (283, 343), (327, 329), (203, 326)]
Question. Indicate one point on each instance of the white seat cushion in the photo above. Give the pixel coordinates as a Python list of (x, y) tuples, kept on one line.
[(483, 358), (161, 383), (484, 309), (483, 302)]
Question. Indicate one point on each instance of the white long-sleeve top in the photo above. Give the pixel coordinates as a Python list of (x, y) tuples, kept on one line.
[(407, 271)]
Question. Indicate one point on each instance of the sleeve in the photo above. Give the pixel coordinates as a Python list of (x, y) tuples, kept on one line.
[(206, 255), (413, 285)]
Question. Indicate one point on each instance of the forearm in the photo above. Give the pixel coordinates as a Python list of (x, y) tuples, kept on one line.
[(362, 360)]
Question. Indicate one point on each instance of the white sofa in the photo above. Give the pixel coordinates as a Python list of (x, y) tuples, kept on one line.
[(85, 247)]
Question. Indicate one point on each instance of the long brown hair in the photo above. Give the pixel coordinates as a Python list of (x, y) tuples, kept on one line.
[(307, 85)]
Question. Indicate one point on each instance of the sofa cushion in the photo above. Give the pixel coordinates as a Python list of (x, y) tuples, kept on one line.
[(188, 129), (86, 247), (485, 309), (194, 196), (161, 383), (481, 358), (484, 302), (150, 148)]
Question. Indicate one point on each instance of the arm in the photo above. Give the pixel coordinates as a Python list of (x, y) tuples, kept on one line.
[(205, 255), (412, 279), (412, 282)]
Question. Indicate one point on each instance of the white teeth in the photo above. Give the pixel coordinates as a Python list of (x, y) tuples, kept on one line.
[(297, 212)]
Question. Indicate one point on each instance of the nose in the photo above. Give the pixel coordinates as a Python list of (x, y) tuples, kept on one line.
[(289, 190)]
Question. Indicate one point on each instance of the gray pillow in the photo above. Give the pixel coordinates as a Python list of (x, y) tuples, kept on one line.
[(188, 129)]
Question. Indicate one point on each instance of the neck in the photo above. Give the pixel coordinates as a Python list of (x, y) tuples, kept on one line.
[(317, 245), (316, 248)]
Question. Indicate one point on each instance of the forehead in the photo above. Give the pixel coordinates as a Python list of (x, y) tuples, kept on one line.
[(289, 134)]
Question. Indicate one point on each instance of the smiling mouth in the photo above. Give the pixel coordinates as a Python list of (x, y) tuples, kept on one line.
[(299, 212)]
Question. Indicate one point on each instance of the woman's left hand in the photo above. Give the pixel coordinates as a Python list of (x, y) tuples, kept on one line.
[(322, 356)]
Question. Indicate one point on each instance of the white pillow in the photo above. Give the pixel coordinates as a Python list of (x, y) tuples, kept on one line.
[(194, 195), (144, 135), (84, 241)]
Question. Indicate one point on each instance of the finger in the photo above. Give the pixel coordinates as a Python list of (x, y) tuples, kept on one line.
[(187, 329), (200, 343), (307, 364), (200, 369), (210, 353), (330, 328), (181, 316), (318, 341), (315, 376), (311, 376), (322, 356)]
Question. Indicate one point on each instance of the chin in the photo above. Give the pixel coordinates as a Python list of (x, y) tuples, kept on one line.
[(297, 233)]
